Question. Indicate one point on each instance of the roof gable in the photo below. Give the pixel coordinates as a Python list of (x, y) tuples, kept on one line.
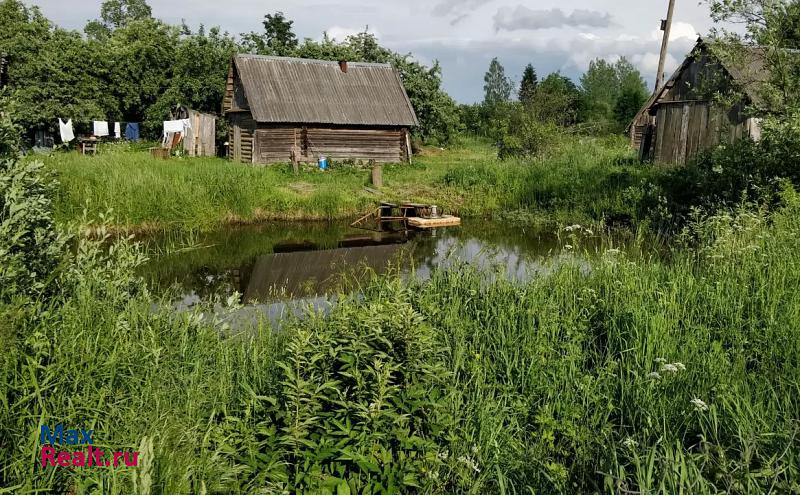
[(747, 68), (282, 90)]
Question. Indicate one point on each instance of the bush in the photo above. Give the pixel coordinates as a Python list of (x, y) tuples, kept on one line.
[(30, 246), (529, 137), (744, 171)]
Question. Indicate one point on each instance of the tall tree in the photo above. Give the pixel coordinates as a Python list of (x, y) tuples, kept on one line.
[(773, 25), (497, 87), (557, 100), (277, 38), (527, 87), (600, 86), (116, 14)]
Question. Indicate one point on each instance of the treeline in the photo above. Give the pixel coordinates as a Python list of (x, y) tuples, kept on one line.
[(526, 119), (128, 66)]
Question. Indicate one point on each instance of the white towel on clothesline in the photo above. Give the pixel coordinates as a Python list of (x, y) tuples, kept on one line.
[(117, 130), (66, 131), (177, 126), (100, 128)]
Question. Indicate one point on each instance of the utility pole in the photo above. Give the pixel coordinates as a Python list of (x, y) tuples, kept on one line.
[(666, 26)]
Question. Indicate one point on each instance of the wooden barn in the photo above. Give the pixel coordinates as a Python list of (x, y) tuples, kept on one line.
[(280, 109), (682, 119)]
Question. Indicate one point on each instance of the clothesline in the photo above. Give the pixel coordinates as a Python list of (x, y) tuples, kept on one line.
[(100, 128)]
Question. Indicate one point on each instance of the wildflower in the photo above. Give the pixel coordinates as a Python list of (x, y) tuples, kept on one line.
[(680, 366), (568, 247), (699, 405), (661, 361), (470, 463), (653, 376), (443, 455), (630, 443), (669, 368), (717, 169), (474, 449), (573, 228)]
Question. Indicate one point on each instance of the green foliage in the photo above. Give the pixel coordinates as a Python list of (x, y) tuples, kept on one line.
[(52, 73), (497, 88), (773, 26), (199, 72), (277, 38), (527, 87), (599, 376), (732, 174), (31, 247), (557, 100), (528, 137), (360, 403), (612, 94)]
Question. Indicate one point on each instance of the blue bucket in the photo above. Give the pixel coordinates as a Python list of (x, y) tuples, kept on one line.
[(323, 163)]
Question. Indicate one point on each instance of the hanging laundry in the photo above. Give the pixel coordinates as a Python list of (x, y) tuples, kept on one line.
[(67, 134), (173, 126), (100, 128), (132, 131), (117, 130)]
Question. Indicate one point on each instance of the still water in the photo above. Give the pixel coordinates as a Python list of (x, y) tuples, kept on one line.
[(282, 267)]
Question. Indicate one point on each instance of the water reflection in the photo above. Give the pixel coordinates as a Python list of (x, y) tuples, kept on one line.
[(272, 265)]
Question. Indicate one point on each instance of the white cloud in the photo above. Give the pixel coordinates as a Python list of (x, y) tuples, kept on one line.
[(340, 33)]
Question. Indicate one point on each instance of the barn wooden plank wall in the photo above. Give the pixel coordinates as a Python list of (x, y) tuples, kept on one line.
[(200, 139), (688, 127), (242, 137)]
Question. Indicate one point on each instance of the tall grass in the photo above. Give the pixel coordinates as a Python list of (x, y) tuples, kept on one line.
[(587, 179), (635, 376)]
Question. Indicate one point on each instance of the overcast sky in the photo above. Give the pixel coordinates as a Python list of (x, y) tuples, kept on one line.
[(463, 35)]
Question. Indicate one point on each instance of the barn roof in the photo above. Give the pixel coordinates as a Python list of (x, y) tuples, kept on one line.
[(282, 90)]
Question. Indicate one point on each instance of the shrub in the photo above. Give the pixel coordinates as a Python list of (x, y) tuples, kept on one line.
[(31, 247), (528, 138)]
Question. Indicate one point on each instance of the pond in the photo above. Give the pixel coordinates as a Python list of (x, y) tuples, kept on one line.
[(278, 267)]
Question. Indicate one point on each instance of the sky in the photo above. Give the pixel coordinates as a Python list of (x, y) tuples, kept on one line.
[(463, 35)]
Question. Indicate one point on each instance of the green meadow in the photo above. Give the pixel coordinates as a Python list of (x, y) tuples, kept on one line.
[(583, 179)]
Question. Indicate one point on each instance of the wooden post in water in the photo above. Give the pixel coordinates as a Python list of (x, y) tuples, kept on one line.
[(377, 175)]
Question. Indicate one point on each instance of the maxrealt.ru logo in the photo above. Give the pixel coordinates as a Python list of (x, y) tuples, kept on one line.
[(91, 457)]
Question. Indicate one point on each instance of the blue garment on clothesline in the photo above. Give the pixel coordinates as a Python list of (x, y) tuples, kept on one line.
[(132, 131)]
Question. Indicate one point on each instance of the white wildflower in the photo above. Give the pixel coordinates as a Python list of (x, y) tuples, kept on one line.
[(661, 361), (699, 405), (568, 247), (680, 366), (717, 169), (443, 455), (470, 463), (474, 449), (630, 443), (669, 368), (653, 376)]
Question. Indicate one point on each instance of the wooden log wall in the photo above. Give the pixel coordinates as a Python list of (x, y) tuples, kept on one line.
[(275, 143), (357, 144)]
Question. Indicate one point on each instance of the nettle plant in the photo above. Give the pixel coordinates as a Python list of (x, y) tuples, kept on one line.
[(360, 406)]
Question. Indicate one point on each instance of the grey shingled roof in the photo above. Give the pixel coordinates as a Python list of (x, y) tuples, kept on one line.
[(282, 89)]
